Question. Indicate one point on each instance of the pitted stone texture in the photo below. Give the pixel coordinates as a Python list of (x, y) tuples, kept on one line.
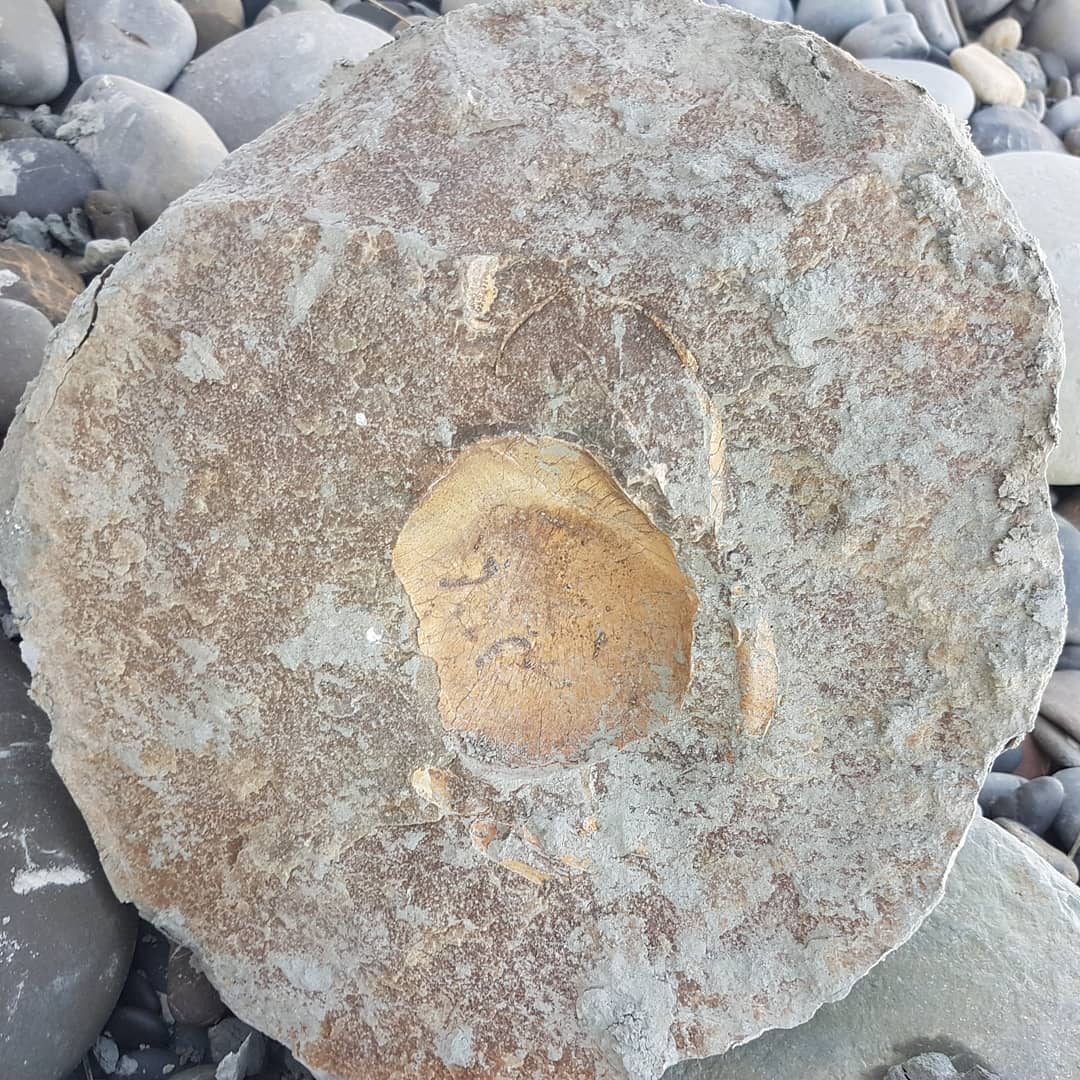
[(552, 220), (955, 987)]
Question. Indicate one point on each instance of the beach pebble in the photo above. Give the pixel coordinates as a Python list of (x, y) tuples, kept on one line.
[(1003, 129), (138, 992), (995, 786), (287, 7), (1059, 745), (154, 1063), (1064, 115), (1072, 141), (190, 1043), (22, 349), (230, 1035), (896, 36), (214, 20), (192, 997), (832, 19), (1059, 90), (1035, 103), (1069, 659), (1008, 760), (151, 959), (1041, 187), (1055, 25), (42, 176), (992, 80), (1066, 828), (131, 1027), (1034, 804), (1053, 66), (1055, 858), (101, 253), (38, 278), (66, 940), (148, 41), (975, 11), (110, 216), (252, 79), (1069, 541), (33, 53), (945, 86), (1002, 34), (1061, 701), (146, 146), (1027, 66), (11, 128), (935, 23)]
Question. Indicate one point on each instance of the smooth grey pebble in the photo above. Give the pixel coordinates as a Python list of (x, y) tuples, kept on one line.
[(1001, 129)]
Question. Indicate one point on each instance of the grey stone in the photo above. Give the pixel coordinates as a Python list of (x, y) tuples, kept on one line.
[(1054, 67), (110, 216), (1061, 701), (101, 253), (935, 23), (1027, 66), (230, 1036), (240, 1063), (132, 1027), (832, 19), (154, 1063), (1059, 90), (895, 36), (22, 348), (976, 11), (1034, 804), (42, 176), (945, 86), (146, 146), (1066, 827), (924, 1067), (1070, 658), (65, 942), (1057, 859), (1040, 187), (1035, 103), (1006, 129), (252, 79), (1059, 745), (1064, 115), (148, 41), (27, 230), (953, 988), (16, 129), (250, 379), (287, 7), (1055, 25), (995, 786), (33, 53), (1069, 541), (192, 997), (215, 20)]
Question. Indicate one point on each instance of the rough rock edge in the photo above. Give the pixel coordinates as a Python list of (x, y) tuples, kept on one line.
[(82, 321)]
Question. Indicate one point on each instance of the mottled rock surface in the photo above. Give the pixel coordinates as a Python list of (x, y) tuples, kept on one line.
[(543, 245), (957, 987)]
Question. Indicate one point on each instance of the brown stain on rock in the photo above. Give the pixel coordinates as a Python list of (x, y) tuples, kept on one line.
[(555, 611)]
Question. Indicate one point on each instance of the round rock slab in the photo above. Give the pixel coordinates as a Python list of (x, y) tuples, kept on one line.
[(551, 560)]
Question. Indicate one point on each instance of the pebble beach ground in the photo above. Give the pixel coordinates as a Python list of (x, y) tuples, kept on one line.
[(112, 109)]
